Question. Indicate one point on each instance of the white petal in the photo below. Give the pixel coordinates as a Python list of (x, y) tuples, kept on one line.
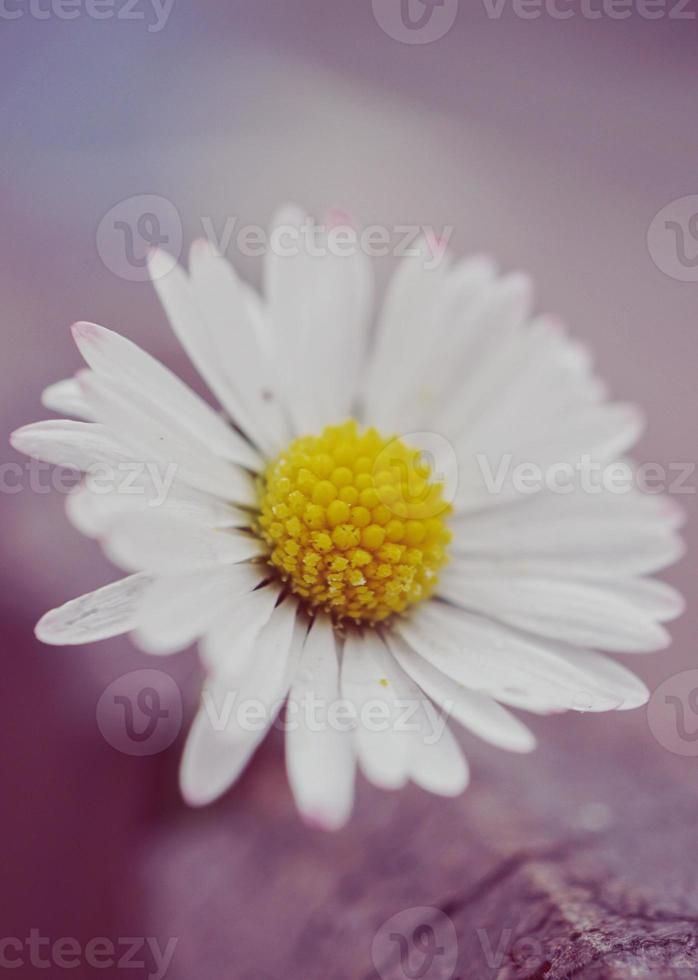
[(155, 439), (162, 544), (624, 534), (234, 335), (223, 739), (74, 445), (484, 324), (430, 327), (94, 506), (440, 766), (658, 599), (107, 612), (407, 315), (229, 644), (318, 306), (489, 657), (319, 756), (491, 322), (477, 712), (374, 684), (611, 674), (114, 357), (654, 599), (178, 609), (399, 734), (593, 435), (580, 613), (197, 336), (65, 398), (518, 383)]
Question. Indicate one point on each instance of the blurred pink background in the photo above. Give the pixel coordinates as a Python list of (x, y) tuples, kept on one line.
[(550, 144)]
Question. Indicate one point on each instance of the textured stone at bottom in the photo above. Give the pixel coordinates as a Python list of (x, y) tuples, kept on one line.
[(578, 861)]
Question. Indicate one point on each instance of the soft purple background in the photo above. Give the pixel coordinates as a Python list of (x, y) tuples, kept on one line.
[(550, 144)]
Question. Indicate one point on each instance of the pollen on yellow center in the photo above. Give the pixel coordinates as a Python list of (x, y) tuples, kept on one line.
[(355, 522)]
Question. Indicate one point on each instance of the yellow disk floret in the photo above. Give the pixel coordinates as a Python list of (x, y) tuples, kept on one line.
[(355, 522)]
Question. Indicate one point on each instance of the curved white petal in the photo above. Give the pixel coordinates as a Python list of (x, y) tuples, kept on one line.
[(319, 752), (475, 711), (65, 398), (319, 301), (591, 533), (230, 642), (232, 721), (614, 676), (373, 683), (206, 342), (438, 766), (95, 506), (488, 657), (162, 544), (430, 326), (115, 358), (552, 454), (516, 387), (177, 609), (154, 439), (235, 337), (578, 612), (98, 615), (74, 445)]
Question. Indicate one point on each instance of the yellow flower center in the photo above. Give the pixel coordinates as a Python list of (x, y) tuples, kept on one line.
[(355, 522)]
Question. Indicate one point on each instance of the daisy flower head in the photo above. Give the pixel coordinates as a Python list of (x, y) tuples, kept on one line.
[(356, 537)]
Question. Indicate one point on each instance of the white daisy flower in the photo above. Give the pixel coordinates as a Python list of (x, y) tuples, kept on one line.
[(319, 557)]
